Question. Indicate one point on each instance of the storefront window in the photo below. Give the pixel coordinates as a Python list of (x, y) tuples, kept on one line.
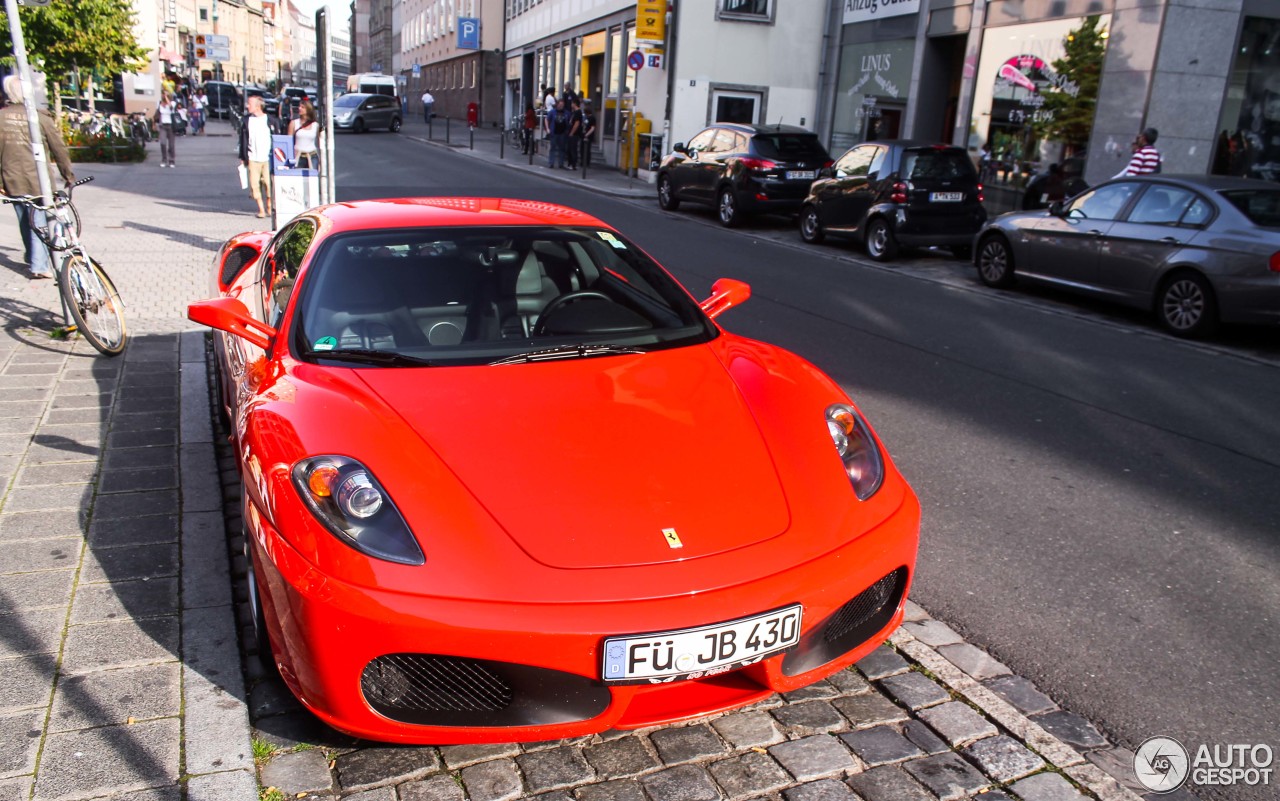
[(872, 92), (1036, 92), (617, 60), (1248, 144)]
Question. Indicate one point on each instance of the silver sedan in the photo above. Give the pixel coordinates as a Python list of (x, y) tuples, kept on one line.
[(1197, 250)]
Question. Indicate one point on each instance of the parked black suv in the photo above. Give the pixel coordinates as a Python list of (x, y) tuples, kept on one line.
[(742, 169), (897, 192)]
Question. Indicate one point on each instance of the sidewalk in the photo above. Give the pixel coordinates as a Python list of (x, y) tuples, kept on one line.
[(121, 609)]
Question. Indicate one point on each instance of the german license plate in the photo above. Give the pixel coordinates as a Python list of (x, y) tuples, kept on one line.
[(801, 175), (704, 651), (946, 197)]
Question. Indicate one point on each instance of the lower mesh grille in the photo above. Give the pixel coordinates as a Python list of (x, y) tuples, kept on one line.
[(866, 605), (427, 683)]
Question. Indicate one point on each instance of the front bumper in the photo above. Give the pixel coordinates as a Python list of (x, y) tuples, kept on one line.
[(350, 654)]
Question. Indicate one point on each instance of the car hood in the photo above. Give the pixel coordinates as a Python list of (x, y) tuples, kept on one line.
[(601, 462)]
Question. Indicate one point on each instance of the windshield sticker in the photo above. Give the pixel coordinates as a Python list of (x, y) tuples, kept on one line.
[(611, 239), (325, 343)]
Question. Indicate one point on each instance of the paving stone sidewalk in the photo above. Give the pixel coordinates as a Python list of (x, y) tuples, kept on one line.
[(120, 604)]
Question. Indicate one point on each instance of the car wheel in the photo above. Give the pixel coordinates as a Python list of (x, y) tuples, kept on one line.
[(358, 126), (962, 252), (265, 655), (667, 199), (810, 228), (1186, 306), (995, 262), (727, 208), (881, 245), (395, 125)]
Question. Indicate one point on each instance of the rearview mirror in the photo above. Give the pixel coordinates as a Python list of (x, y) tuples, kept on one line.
[(725, 294), (680, 148), (232, 316)]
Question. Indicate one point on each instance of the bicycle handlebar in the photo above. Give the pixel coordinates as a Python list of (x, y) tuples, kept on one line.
[(33, 200)]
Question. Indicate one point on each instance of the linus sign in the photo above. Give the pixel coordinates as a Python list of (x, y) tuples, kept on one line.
[(868, 10)]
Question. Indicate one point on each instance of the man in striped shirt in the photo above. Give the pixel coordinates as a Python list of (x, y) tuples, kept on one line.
[(1146, 159)]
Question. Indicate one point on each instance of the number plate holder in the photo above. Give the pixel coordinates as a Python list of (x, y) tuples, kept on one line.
[(946, 197), (801, 175)]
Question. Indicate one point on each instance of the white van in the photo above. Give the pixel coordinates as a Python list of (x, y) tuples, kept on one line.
[(372, 83)]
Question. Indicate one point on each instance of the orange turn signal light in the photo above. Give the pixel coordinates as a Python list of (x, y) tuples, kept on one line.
[(322, 480), (845, 419)]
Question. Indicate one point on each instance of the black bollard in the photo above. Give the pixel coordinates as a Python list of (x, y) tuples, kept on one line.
[(447, 125)]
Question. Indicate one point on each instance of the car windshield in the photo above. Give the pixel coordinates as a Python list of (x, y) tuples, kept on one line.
[(937, 165), (790, 147), (478, 295), (348, 101), (1261, 206)]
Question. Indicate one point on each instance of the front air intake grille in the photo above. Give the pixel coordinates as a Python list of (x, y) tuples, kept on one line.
[(863, 607), (426, 683)]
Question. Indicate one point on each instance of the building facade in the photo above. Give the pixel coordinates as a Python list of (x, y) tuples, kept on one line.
[(453, 49)]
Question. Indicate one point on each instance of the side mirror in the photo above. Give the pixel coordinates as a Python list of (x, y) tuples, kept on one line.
[(680, 148), (230, 315), (1056, 208), (725, 294), (827, 172)]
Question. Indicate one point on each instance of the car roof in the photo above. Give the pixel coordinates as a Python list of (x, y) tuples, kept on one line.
[(910, 144), (761, 129), (1209, 183), (415, 212)]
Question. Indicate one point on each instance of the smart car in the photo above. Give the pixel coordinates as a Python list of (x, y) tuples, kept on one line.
[(505, 480)]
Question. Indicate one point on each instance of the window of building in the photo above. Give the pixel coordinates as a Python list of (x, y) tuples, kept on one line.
[(204, 15), (1248, 144), (745, 10), (734, 105)]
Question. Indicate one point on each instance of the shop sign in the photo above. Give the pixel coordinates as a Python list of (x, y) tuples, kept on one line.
[(868, 10), (651, 21)]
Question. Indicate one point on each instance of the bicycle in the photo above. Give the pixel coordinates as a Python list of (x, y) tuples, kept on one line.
[(88, 293)]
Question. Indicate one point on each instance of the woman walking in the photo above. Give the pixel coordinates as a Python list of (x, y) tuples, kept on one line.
[(166, 114), (304, 130)]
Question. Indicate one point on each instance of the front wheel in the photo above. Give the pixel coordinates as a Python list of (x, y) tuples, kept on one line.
[(358, 126), (395, 125), (881, 245), (667, 199), (1186, 306), (94, 304), (995, 262), (810, 227), (727, 208)]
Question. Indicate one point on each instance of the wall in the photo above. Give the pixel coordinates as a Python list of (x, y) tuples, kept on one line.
[(553, 16)]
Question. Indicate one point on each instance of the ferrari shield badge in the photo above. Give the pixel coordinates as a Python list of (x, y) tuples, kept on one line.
[(673, 539)]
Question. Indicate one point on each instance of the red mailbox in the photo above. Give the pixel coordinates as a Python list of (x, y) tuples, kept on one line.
[(473, 114)]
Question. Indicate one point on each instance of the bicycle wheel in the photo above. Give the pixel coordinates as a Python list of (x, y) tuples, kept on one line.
[(94, 303)]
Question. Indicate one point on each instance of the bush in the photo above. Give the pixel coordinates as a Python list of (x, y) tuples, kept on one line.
[(103, 148)]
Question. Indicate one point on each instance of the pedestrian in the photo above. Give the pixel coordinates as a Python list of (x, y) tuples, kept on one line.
[(588, 131), (255, 154), (568, 96), (1146, 159), (304, 130), (166, 119), (18, 174), (1045, 188), (575, 134), (428, 102), (557, 124), (530, 125), (548, 99)]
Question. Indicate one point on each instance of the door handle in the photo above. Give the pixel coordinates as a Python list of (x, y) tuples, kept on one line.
[(1095, 232), (1168, 240)]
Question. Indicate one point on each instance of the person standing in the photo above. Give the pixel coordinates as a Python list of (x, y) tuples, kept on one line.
[(588, 131), (18, 174), (200, 104), (575, 134), (530, 125), (304, 130), (558, 128), (255, 154), (1146, 159), (166, 114), (428, 102)]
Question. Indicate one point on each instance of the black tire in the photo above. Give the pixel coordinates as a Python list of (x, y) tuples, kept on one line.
[(395, 125), (810, 226), (94, 304), (266, 654), (667, 199), (357, 126), (880, 243), (43, 233), (995, 262), (962, 252), (1186, 307), (727, 207)]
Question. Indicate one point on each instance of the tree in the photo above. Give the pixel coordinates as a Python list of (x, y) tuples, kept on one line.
[(69, 35), (1074, 95)]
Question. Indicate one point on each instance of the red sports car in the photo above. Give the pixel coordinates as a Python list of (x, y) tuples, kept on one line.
[(505, 480)]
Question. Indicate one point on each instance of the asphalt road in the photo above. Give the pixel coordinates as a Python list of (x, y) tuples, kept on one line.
[(1100, 500)]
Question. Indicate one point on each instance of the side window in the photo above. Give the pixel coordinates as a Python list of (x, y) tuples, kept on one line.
[(856, 162), (741, 144), (725, 141), (1161, 205), (1199, 213), (702, 141), (280, 267), (877, 162), (1103, 203)]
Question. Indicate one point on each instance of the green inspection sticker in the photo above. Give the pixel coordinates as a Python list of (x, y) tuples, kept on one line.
[(611, 239), (325, 343)]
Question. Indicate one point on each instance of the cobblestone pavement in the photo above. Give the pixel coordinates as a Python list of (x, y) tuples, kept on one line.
[(120, 602)]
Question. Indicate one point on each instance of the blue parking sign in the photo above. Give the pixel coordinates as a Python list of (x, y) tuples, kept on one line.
[(468, 33)]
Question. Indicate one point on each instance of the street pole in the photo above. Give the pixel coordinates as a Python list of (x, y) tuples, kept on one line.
[(29, 101)]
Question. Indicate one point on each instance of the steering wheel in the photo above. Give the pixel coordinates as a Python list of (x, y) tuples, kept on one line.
[(539, 329)]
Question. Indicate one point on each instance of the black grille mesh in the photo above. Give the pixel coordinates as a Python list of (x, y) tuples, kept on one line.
[(863, 607), (236, 261), (423, 682)]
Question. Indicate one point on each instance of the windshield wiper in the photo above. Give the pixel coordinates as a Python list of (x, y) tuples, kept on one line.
[(385, 358), (566, 352)]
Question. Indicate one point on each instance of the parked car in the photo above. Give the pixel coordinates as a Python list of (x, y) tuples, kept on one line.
[(360, 112), (441, 545), (894, 193), (1194, 249), (742, 170), (224, 99)]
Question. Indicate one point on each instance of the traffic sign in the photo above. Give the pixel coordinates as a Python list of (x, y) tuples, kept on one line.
[(417, 70), (212, 40), (636, 60), (213, 53)]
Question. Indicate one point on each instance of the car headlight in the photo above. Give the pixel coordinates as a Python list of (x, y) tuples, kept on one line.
[(346, 498), (857, 448)]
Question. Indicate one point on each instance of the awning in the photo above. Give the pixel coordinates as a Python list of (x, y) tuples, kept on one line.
[(168, 55)]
